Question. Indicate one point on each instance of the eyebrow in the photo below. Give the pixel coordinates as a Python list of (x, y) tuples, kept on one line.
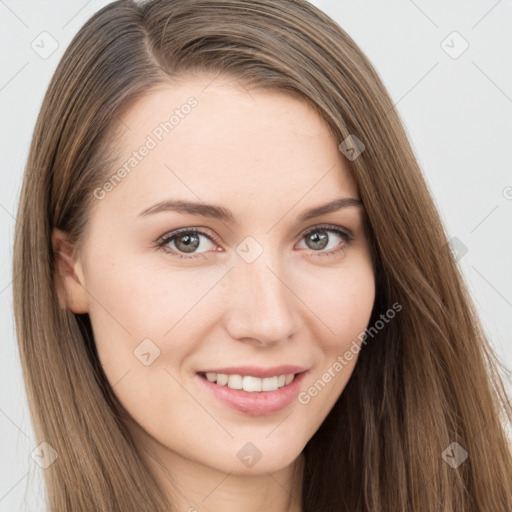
[(223, 214)]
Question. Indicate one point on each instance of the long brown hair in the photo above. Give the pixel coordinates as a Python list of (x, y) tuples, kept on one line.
[(429, 379)]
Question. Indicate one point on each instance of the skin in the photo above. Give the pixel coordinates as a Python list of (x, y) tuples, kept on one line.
[(267, 157)]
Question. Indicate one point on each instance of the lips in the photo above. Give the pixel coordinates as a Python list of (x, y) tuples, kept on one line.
[(248, 397)]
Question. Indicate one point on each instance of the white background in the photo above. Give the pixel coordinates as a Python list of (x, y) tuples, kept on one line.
[(457, 112)]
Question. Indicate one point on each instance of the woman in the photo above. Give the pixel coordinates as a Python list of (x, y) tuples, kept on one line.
[(245, 299)]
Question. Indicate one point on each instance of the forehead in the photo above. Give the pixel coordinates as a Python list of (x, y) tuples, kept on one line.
[(218, 140)]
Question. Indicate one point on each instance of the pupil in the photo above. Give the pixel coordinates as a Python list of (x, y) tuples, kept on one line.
[(319, 239), (190, 242)]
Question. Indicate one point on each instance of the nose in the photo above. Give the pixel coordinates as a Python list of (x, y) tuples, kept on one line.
[(261, 303)]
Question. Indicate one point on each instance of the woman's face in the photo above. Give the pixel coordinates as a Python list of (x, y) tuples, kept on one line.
[(260, 292)]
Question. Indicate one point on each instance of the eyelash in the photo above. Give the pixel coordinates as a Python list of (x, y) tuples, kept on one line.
[(169, 237)]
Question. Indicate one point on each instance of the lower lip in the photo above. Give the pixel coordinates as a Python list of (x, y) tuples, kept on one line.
[(257, 403)]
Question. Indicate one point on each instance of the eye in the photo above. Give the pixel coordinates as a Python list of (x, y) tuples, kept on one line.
[(318, 239), (187, 240)]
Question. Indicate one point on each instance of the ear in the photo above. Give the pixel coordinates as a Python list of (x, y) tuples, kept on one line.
[(68, 275)]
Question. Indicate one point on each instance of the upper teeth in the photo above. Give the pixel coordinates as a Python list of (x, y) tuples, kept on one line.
[(249, 383)]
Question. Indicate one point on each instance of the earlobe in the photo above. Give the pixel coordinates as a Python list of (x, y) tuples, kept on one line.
[(68, 275)]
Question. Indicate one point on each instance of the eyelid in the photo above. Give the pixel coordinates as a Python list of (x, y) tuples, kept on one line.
[(332, 227), (200, 230)]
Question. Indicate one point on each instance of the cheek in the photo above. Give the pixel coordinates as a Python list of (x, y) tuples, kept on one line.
[(342, 301), (145, 324), (135, 299), (344, 304), (147, 321)]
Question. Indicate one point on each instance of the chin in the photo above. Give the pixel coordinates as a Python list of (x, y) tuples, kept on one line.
[(257, 457)]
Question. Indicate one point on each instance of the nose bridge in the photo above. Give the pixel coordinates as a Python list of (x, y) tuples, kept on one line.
[(262, 304)]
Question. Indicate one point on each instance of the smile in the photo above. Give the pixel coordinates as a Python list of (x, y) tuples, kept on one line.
[(255, 395), (250, 383)]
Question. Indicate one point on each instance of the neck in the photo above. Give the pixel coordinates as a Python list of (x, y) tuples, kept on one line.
[(193, 487)]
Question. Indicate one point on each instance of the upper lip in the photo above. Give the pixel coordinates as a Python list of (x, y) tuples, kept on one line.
[(255, 371)]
